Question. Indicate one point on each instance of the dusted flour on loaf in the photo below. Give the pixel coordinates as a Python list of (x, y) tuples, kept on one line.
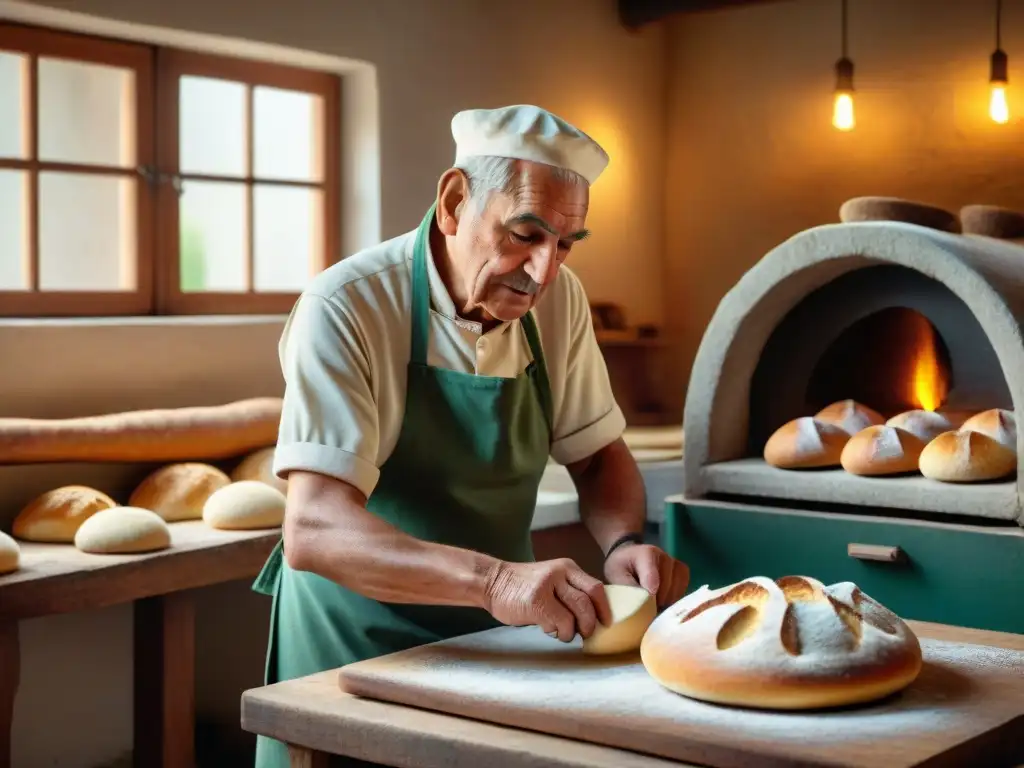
[(793, 643), (805, 443), (850, 416)]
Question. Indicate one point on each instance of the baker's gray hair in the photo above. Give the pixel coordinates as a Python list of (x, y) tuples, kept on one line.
[(487, 175)]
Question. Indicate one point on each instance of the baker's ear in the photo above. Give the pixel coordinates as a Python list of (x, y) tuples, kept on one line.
[(452, 195)]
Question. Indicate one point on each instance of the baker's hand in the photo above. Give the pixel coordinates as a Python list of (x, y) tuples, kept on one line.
[(556, 595), (647, 566)]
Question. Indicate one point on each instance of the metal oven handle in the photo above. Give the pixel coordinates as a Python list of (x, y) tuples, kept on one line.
[(878, 553)]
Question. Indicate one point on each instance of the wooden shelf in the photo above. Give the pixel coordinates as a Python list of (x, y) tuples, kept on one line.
[(631, 339), (58, 578)]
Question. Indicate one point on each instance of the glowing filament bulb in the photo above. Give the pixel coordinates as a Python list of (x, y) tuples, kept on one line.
[(842, 112), (998, 108)]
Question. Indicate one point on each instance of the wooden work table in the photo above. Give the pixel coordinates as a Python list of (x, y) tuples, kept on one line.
[(318, 719)]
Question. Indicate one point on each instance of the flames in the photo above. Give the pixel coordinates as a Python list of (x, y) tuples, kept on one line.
[(928, 384)]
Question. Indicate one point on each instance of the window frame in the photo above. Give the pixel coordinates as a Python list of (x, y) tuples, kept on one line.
[(157, 174), (35, 42)]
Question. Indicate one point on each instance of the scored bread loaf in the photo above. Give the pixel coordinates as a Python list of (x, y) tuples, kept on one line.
[(244, 505), (882, 450), (169, 434), (178, 491), (793, 643), (925, 425), (849, 415), (54, 517), (259, 465), (10, 554), (966, 456), (997, 423), (123, 531), (805, 443)]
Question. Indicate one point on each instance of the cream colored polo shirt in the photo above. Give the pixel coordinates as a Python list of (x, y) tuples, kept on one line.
[(346, 346)]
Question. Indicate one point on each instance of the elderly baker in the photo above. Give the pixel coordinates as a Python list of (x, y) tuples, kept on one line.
[(428, 381)]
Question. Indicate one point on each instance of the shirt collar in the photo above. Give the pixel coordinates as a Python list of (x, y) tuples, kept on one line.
[(442, 302)]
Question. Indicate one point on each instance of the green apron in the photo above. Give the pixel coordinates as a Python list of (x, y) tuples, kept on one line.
[(465, 472)]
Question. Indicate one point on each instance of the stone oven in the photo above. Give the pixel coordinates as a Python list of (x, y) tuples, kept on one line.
[(895, 316)]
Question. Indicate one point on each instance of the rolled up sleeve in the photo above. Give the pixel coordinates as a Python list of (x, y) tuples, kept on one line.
[(329, 421), (588, 418)]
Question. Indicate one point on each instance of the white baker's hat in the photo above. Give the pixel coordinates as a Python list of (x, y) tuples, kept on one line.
[(526, 132)]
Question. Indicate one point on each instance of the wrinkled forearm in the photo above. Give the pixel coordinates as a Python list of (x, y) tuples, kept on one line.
[(328, 531), (612, 499)]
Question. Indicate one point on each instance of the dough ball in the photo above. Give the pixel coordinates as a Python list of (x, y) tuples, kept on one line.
[(259, 465), (633, 610), (245, 505), (178, 491), (122, 531), (54, 516), (10, 554)]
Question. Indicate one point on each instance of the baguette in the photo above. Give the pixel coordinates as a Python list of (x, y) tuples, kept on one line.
[(170, 434)]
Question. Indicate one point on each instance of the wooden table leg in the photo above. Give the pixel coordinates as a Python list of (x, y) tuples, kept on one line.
[(302, 757), (164, 728), (10, 676)]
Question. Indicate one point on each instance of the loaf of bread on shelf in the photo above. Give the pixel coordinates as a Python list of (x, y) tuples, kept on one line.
[(806, 443), (882, 450), (794, 643), (849, 415), (178, 491), (168, 434), (998, 423), (10, 554), (876, 208), (925, 425), (259, 465), (54, 517), (123, 531), (966, 456), (244, 505)]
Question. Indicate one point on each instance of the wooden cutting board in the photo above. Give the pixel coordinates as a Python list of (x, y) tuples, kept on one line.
[(965, 709)]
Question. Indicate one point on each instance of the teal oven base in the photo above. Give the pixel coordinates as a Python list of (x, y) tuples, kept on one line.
[(965, 575)]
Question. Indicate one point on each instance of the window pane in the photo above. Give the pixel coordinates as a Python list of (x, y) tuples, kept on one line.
[(213, 236), (12, 231), (286, 237), (212, 127), (287, 134), (12, 99), (86, 232), (86, 113)]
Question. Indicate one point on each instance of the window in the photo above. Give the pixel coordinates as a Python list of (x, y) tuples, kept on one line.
[(145, 180)]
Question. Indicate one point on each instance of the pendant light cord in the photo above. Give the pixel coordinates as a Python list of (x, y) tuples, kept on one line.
[(999, 24), (843, 25)]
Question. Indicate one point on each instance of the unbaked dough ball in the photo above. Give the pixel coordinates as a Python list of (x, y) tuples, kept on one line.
[(178, 491), (54, 516), (633, 610), (123, 530), (10, 554), (259, 465), (245, 505)]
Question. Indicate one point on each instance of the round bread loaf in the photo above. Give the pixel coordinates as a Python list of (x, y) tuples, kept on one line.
[(178, 491), (793, 643), (259, 465), (245, 505), (882, 450), (849, 415), (992, 221), (10, 554), (997, 423), (633, 610), (54, 516), (925, 425), (805, 443), (873, 208), (123, 531), (966, 456)]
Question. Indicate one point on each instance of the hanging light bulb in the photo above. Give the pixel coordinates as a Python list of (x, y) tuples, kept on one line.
[(842, 106), (998, 108)]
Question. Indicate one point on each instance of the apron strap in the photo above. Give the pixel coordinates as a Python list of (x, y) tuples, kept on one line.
[(421, 317), (421, 291)]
